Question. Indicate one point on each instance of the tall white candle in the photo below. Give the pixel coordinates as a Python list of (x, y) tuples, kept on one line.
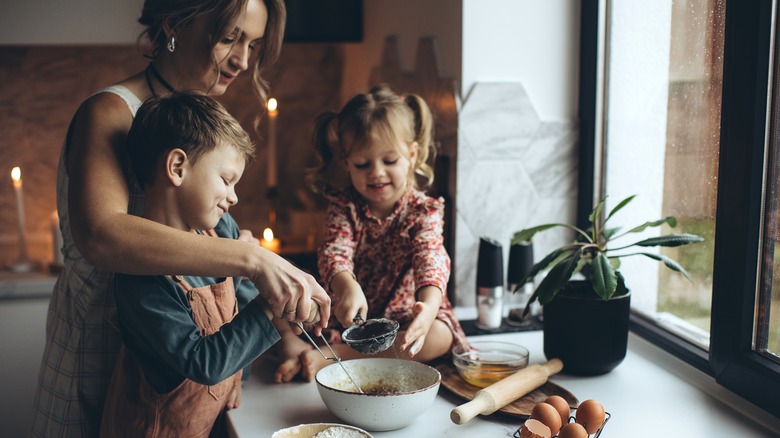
[(273, 113), (56, 239), (16, 176)]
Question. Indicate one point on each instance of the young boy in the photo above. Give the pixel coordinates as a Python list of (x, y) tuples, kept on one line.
[(185, 339)]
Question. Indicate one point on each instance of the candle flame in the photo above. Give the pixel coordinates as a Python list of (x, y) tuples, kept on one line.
[(271, 104), (268, 235), (16, 173)]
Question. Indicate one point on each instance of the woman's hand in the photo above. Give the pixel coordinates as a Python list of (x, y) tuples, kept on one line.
[(350, 300), (292, 294)]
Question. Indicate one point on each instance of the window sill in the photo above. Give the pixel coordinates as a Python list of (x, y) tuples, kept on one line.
[(653, 387)]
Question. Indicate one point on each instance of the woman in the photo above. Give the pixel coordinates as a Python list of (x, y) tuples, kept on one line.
[(197, 45)]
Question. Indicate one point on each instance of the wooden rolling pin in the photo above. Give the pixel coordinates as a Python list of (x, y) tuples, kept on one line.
[(496, 396)]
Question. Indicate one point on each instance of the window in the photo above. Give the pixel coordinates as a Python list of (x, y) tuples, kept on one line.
[(678, 106)]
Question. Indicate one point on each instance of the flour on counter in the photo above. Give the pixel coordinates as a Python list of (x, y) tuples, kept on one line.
[(340, 432)]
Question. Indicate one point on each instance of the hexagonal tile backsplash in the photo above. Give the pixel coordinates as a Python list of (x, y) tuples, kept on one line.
[(514, 171)]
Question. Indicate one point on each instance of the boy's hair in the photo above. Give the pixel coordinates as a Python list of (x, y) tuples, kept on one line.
[(379, 116), (192, 122)]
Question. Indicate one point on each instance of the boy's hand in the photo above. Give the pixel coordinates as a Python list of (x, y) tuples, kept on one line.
[(234, 397), (247, 236)]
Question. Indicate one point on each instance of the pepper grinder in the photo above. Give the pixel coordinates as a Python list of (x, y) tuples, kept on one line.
[(490, 284), (521, 260)]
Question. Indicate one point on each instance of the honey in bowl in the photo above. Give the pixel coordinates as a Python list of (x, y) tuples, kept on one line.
[(487, 362), (486, 375)]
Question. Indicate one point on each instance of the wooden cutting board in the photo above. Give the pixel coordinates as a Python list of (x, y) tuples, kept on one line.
[(521, 407)]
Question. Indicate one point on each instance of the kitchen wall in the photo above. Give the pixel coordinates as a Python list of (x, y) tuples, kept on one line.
[(511, 66), (49, 68)]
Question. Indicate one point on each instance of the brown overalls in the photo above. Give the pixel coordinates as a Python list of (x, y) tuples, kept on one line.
[(134, 409)]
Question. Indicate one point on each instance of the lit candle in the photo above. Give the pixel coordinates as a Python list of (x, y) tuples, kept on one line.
[(271, 170), (269, 242), (16, 176)]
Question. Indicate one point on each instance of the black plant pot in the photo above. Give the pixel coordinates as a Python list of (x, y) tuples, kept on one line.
[(588, 334)]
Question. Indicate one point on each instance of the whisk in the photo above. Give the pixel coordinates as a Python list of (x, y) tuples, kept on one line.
[(335, 357)]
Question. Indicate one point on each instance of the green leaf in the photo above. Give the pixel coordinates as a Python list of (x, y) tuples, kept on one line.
[(528, 233), (609, 232), (547, 261), (596, 211), (671, 220), (594, 217), (557, 278), (671, 240), (671, 264), (602, 277), (620, 205), (621, 286)]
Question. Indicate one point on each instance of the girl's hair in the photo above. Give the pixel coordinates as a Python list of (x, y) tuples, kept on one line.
[(224, 15), (192, 122), (377, 117)]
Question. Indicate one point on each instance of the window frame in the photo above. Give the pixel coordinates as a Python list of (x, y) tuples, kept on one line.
[(744, 121)]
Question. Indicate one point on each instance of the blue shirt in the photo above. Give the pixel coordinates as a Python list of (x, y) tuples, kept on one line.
[(158, 329)]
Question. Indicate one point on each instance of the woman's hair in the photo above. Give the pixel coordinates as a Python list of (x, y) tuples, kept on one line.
[(377, 117), (224, 16), (194, 123)]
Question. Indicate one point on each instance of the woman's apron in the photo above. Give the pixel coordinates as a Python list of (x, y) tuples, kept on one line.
[(134, 409)]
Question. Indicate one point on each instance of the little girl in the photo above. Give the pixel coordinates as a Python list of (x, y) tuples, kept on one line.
[(383, 253)]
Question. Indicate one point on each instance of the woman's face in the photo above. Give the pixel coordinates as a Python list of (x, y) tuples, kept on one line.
[(234, 53)]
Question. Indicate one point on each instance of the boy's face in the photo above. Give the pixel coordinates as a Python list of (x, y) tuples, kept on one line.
[(208, 189)]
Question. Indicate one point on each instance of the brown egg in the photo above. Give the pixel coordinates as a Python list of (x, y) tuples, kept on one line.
[(590, 414), (573, 430), (534, 429), (548, 415), (561, 405)]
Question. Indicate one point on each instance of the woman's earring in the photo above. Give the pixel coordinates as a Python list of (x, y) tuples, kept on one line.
[(172, 44)]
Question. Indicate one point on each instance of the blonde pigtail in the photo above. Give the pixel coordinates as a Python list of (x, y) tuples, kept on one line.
[(423, 135), (329, 172)]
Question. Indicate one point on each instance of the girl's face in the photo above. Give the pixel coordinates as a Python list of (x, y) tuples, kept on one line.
[(234, 53), (380, 173), (208, 187)]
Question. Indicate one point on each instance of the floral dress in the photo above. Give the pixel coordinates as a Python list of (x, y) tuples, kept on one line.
[(391, 258)]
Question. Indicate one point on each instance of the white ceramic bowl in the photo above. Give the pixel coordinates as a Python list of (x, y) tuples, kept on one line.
[(397, 391), (310, 430)]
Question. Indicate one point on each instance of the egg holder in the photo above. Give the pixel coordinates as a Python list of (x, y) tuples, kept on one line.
[(607, 416)]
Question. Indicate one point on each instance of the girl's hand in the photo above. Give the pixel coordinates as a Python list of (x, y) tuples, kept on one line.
[(349, 299), (425, 312), (352, 303)]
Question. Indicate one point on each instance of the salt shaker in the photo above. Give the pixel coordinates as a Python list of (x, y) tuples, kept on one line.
[(490, 284)]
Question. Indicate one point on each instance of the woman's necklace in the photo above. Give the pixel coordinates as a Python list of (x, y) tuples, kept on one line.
[(151, 68)]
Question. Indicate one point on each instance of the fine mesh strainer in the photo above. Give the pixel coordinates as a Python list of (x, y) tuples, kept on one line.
[(372, 336)]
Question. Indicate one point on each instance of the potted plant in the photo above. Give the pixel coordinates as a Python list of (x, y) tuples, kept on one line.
[(584, 295)]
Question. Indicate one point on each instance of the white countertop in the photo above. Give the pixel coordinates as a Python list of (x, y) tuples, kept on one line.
[(643, 396)]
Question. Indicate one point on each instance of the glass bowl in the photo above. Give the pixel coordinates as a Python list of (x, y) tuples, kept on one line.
[(487, 362)]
